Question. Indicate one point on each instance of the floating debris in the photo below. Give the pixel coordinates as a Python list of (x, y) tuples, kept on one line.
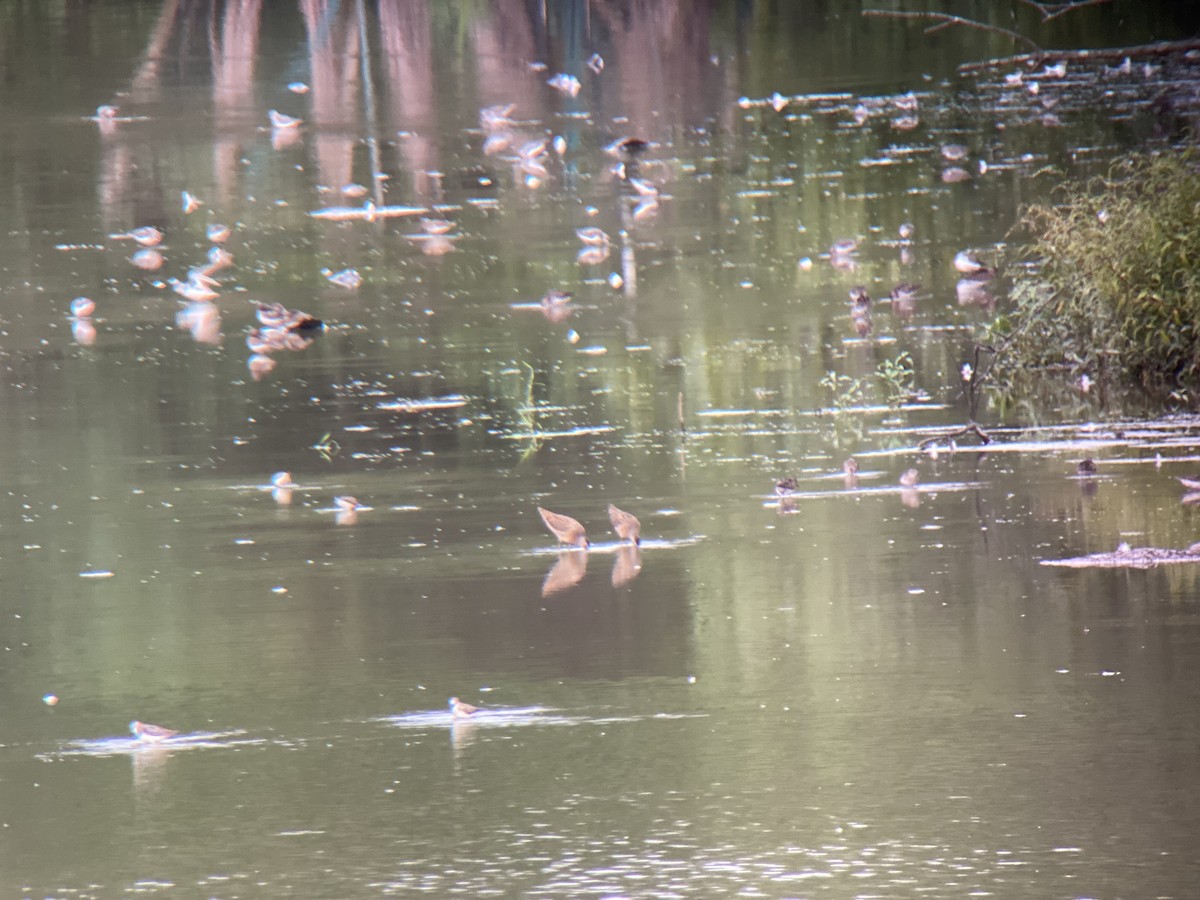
[(367, 212), (1126, 557), (346, 278), (423, 405)]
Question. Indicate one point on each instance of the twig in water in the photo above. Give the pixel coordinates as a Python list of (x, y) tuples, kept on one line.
[(944, 20)]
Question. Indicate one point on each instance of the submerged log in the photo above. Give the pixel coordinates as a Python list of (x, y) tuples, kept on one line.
[(1126, 557)]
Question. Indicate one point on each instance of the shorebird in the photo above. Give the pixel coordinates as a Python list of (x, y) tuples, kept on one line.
[(82, 307), (195, 290), (909, 478), (850, 472), (626, 525), (150, 733), (904, 298), (566, 529), (566, 84), (593, 236), (144, 235), (860, 302), (347, 278), (785, 487), (461, 710), (347, 504), (282, 120), (555, 298), (626, 147), (968, 263), (1087, 467), (282, 480)]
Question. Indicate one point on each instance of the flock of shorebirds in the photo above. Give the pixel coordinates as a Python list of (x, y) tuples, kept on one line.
[(280, 329)]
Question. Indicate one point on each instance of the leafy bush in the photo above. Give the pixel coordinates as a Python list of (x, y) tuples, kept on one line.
[(1112, 285)]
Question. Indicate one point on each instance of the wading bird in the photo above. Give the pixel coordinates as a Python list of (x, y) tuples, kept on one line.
[(566, 529)]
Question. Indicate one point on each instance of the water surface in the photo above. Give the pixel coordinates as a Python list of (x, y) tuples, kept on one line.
[(861, 691)]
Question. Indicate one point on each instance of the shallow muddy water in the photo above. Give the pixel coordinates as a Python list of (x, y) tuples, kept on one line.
[(858, 689)]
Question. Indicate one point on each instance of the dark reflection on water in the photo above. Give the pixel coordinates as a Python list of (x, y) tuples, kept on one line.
[(857, 688)]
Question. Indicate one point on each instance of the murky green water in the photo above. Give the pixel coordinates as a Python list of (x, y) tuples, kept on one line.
[(864, 691)]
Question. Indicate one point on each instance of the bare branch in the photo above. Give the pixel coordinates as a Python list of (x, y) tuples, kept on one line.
[(945, 20), (1050, 11)]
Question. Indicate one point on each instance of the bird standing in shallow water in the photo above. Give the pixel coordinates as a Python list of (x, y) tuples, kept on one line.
[(850, 472), (150, 733), (910, 478), (860, 301), (461, 710), (626, 525), (566, 529), (904, 299), (785, 487)]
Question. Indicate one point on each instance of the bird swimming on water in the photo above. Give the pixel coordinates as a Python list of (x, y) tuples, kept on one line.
[(150, 733), (566, 529), (626, 525)]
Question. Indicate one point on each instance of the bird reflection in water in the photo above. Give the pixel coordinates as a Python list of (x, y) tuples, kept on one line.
[(567, 572), (463, 733), (83, 330), (149, 763), (627, 565), (282, 488), (202, 320), (909, 495), (347, 510)]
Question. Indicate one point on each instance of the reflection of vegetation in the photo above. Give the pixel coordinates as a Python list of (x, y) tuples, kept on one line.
[(1115, 295), (527, 413), (327, 448)]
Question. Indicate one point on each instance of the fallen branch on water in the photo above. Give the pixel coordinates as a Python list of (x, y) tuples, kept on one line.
[(1162, 48)]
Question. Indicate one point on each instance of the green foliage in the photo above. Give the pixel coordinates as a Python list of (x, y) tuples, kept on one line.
[(846, 391), (896, 377), (1113, 285)]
